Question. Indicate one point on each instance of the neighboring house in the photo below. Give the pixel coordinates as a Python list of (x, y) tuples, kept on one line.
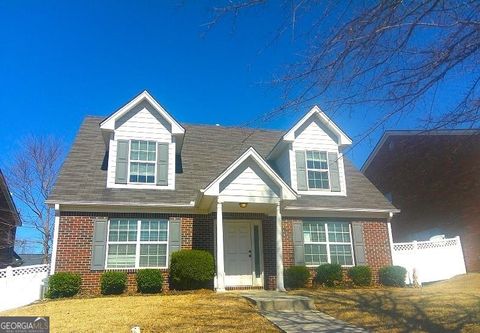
[(138, 185), (434, 179), (9, 221)]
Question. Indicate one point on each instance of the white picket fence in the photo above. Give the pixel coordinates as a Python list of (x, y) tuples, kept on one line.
[(21, 285), (432, 260)]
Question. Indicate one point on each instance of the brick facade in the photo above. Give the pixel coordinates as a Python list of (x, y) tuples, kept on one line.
[(377, 245), (434, 182), (76, 230)]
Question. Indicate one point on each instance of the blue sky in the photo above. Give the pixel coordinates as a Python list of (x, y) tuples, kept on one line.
[(61, 61)]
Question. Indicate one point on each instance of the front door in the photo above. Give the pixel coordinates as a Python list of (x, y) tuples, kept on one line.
[(238, 254)]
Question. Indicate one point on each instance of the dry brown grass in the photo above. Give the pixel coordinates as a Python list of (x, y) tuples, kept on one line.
[(196, 312), (449, 306)]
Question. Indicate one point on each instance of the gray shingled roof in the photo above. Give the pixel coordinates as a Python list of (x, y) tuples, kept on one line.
[(206, 152)]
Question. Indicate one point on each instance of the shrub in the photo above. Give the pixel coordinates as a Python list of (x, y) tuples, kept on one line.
[(113, 283), (360, 275), (191, 269), (329, 274), (392, 276), (149, 281), (296, 277), (63, 285)]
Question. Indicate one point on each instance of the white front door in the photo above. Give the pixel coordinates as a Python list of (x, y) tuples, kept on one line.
[(238, 254)]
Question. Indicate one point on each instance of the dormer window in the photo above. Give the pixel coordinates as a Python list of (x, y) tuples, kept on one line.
[(143, 158), (317, 170)]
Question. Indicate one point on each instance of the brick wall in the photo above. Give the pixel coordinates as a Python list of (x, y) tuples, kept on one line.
[(76, 231), (74, 248), (438, 193), (377, 245)]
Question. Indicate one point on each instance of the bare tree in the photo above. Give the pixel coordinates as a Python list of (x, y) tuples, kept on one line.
[(32, 174), (393, 58)]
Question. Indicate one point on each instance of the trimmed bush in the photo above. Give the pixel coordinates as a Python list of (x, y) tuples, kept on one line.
[(393, 276), (329, 275), (360, 275), (296, 277), (63, 284), (113, 283), (149, 281), (191, 269)]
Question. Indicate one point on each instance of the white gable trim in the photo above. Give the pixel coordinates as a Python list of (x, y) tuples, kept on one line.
[(109, 123), (343, 139), (213, 189)]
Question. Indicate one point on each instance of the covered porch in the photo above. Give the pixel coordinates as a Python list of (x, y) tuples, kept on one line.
[(246, 201)]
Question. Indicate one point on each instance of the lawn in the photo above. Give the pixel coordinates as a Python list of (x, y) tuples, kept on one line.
[(448, 306), (202, 311)]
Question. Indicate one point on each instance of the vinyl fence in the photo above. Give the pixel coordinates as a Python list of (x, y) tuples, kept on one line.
[(432, 260), (21, 285)]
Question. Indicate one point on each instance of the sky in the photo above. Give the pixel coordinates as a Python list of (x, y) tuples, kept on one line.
[(61, 61)]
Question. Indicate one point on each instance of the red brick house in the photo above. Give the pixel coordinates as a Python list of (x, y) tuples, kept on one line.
[(138, 185), (434, 179)]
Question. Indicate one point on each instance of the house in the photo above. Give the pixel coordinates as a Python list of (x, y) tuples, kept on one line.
[(433, 178), (9, 221), (138, 185)]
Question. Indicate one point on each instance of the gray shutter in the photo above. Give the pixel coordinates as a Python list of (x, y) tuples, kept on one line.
[(121, 168), (334, 173), (301, 170), (174, 235), (99, 244), (358, 243), (298, 249), (162, 164)]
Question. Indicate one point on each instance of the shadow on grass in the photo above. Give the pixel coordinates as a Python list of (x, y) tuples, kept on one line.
[(390, 310)]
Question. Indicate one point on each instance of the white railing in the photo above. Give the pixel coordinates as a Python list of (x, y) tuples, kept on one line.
[(431, 260), (21, 285)]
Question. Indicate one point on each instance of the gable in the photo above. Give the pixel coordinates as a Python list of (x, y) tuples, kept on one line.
[(143, 122), (313, 134), (249, 180)]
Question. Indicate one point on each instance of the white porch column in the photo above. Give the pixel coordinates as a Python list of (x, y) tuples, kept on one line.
[(280, 286), (220, 255)]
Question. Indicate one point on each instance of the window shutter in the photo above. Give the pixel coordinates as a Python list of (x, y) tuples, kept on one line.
[(334, 173), (121, 168), (99, 244), (298, 248), (162, 164), (174, 236), (301, 170), (358, 243)]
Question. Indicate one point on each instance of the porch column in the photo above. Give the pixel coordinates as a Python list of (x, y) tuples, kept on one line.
[(280, 286), (220, 259)]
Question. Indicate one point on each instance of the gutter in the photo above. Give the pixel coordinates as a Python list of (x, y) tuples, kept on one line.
[(118, 203), (338, 209)]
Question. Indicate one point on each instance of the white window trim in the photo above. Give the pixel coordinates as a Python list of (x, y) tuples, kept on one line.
[(319, 170), (137, 243), (328, 243), (140, 161)]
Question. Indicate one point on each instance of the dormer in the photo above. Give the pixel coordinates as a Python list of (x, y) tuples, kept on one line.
[(309, 156), (142, 140)]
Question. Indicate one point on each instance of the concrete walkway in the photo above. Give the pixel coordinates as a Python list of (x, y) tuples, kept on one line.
[(292, 313)]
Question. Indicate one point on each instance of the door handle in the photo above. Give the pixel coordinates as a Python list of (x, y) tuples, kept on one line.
[(249, 253)]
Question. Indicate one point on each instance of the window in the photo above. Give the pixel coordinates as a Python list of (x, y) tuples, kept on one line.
[(327, 242), (137, 243), (317, 170), (143, 157)]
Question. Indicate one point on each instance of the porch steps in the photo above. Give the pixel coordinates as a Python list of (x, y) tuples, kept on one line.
[(267, 301)]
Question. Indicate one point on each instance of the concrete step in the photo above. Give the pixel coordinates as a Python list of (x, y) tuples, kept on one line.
[(275, 301)]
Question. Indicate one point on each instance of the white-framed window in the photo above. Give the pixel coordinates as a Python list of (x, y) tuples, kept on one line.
[(136, 243), (327, 242), (142, 164), (317, 170)]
